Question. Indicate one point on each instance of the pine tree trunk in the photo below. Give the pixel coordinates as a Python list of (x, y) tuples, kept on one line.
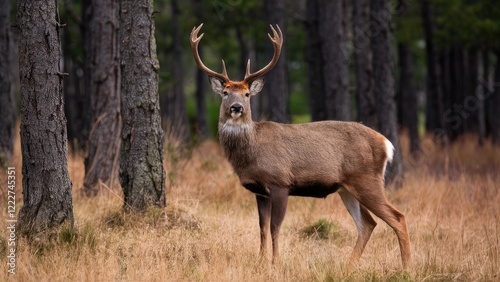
[(481, 92), (367, 113), (332, 30), (452, 90), (176, 102), (201, 107), (73, 108), (7, 105), (408, 96), (495, 118), (141, 155), (434, 108), (446, 71), (276, 86), (101, 161), (471, 105), (383, 89), (489, 91), (46, 183), (314, 56), (202, 128), (87, 74), (453, 120)]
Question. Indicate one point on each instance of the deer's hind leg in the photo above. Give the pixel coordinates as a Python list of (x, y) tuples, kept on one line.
[(371, 195), (363, 220)]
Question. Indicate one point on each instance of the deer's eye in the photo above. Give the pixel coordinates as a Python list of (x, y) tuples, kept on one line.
[(247, 94)]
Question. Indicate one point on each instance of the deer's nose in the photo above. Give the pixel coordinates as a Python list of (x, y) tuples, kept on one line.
[(236, 108)]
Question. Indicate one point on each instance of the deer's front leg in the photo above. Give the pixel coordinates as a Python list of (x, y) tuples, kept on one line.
[(279, 201), (264, 208)]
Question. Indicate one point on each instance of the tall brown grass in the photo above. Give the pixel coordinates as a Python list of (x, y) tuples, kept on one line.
[(209, 230)]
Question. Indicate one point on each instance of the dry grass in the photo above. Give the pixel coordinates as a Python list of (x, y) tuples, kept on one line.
[(209, 231)]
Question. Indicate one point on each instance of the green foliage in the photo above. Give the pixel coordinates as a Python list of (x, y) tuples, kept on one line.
[(467, 22), (323, 230), (408, 23)]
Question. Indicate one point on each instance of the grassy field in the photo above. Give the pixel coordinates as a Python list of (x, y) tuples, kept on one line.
[(209, 230)]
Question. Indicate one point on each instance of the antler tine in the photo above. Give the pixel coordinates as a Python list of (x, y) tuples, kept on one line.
[(277, 40), (195, 40), (247, 73)]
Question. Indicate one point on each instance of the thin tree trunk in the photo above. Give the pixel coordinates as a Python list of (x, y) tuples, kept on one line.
[(73, 106), (76, 103), (408, 96), (203, 131), (101, 161), (276, 87), (495, 118), (454, 117), (451, 127), (141, 156), (332, 30), (7, 105), (201, 108), (481, 90), (445, 70), (46, 183), (87, 74), (314, 62), (487, 82), (177, 115), (367, 113), (383, 89), (434, 108)]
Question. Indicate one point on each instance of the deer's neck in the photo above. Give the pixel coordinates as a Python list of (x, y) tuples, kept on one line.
[(237, 140)]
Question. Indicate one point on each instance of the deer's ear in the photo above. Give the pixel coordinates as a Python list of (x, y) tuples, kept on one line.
[(217, 85), (256, 86)]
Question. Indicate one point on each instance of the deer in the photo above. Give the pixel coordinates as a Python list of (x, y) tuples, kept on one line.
[(315, 159)]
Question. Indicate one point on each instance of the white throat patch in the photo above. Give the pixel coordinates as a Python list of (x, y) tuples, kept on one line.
[(235, 127)]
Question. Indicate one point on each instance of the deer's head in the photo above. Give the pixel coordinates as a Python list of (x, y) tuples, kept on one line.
[(235, 106)]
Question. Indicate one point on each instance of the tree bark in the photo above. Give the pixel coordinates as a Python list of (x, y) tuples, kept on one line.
[(488, 92), (203, 131), (434, 107), (101, 161), (480, 92), (46, 183), (332, 30), (7, 104), (446, 72), (201, 107), (314, 56), (178, 123), (367, 113), (453, 118), (452, 90), (141, 155), (495, 118), (87, 74), (276, 87), (74, 99), (383, 89), (408, 96)]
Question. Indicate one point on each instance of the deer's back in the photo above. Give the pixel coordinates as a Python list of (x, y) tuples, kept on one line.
[(309, 156)]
